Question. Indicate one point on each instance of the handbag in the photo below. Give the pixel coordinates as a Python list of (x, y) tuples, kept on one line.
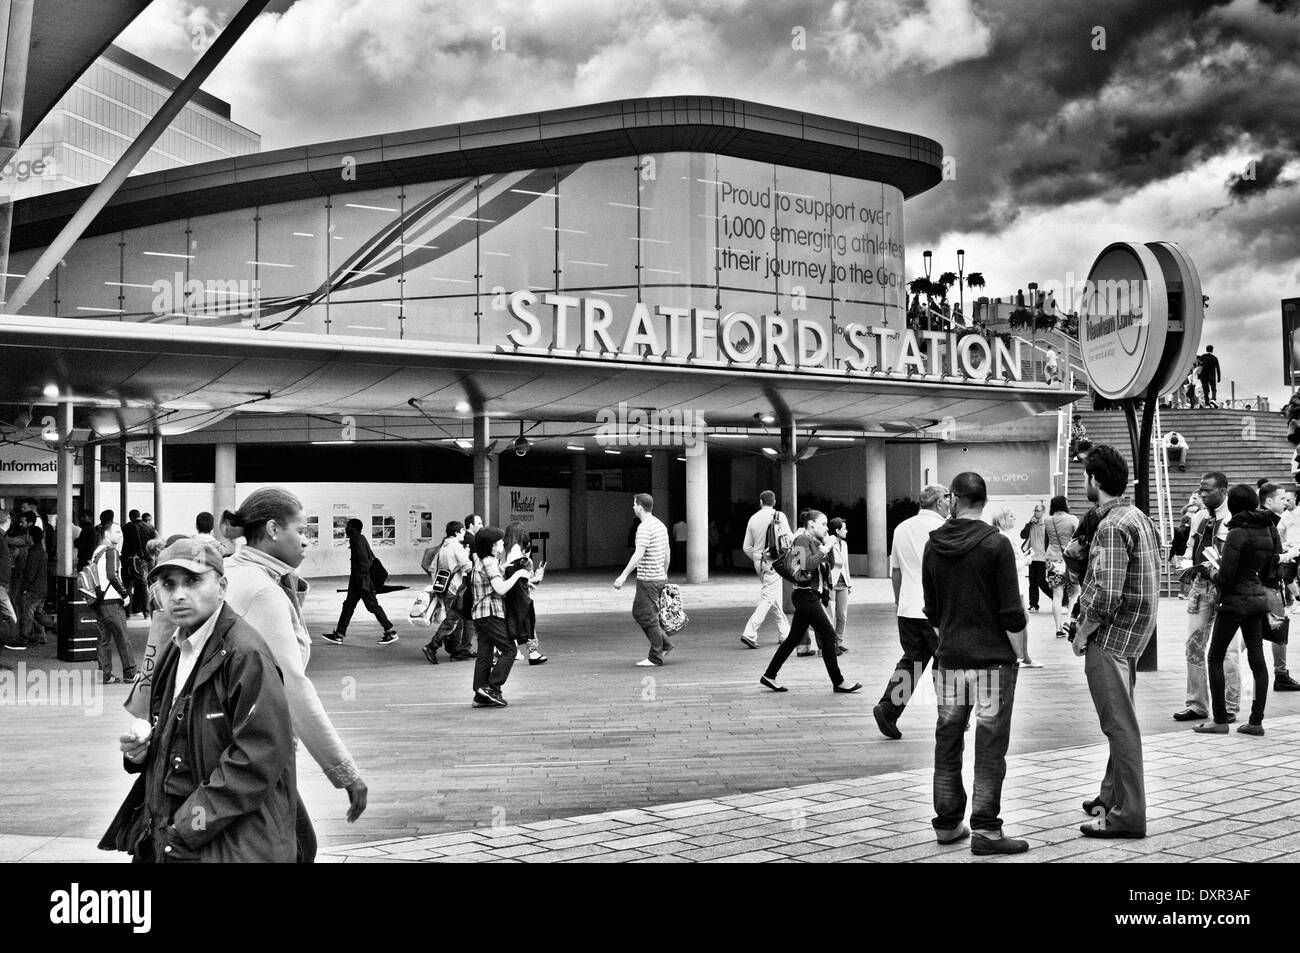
[(424, 608), (1278, 626)]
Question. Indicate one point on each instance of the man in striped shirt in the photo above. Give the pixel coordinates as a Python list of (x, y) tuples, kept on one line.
[(1118, 605), (650, 560)]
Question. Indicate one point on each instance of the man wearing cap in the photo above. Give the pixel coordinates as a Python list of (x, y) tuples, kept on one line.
[(218, 762)]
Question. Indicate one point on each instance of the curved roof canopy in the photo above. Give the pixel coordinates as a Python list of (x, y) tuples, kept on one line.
[(628, 127)]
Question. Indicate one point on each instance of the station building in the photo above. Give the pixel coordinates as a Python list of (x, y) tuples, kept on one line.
[(529, 318)]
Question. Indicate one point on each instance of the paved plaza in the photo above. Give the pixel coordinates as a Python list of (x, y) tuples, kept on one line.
[(596, 759)]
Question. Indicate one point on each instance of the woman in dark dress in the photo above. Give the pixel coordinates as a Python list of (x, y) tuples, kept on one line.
[(521, 617)]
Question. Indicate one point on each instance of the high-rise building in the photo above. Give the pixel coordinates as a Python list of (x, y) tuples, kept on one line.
[(98, 118)]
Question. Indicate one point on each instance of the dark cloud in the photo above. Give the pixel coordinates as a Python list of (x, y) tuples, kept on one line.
[(1259, 177)]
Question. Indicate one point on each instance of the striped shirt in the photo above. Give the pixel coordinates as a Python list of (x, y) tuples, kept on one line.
[(486, 601), (652, 539), (1121, 588)]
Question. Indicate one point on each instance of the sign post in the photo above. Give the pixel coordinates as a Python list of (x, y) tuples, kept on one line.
[(1139, 331)]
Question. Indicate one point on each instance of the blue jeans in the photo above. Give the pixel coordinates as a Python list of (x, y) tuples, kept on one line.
[(990, 693)]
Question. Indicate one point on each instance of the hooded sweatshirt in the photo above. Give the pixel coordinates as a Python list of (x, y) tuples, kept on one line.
[(972, 594)]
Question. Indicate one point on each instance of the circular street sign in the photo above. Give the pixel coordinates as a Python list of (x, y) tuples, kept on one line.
[(1124, 321), (1184, 284)]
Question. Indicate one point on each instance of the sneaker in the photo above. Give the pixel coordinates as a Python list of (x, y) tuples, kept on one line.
[(841, 649), (809, 654), (521, 654), (111, 679), (537, 658), (388, 638), (984, 845), (1060, 633), (430, 653), (333, 638), (749, 643), (648, 663), (490, 697), (1283, 682)]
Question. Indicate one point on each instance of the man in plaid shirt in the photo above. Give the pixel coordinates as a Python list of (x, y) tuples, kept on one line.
[(1119, 603)]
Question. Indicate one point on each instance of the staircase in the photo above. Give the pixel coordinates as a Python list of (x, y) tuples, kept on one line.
[(1244, 444)]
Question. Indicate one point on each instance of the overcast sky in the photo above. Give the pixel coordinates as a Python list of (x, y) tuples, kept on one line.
[(1184, 127)]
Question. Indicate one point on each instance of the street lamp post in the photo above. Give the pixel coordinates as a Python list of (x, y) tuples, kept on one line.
[(925, 257), (961, 292)]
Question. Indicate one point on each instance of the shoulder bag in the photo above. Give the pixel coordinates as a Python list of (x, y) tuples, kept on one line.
[(1055, 567)]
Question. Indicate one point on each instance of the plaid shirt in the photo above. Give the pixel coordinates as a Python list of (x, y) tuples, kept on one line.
[(1121, 588), (486, 601)]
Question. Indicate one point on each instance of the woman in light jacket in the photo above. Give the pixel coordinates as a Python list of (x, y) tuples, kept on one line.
[(840, 582), (263, 587), (1005, 521), (1058, 530)]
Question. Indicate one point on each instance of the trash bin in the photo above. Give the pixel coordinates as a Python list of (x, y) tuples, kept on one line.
[(78, 629)]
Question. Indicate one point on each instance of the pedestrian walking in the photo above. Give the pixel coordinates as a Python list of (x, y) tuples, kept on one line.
[(972, 598), (454, 559), (916, 635), (1277, 501), (1034, 544), (1247, 568), (521, 615), (1209, 533), (768, 523), (1058, 529), (32, 590), (1004, 521), (9, 625), (263, 586), (650, 560), (488, 587), (1118, 604), (221, 787), (1211, 373), (361, 588), (812, 594), (110, 611), (840, 581)]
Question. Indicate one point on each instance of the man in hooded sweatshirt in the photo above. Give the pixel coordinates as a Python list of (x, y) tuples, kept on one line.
[(972, 598)]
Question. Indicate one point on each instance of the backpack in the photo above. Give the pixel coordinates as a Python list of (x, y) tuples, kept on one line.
[(424, 608), (672, 617), (90, 584), (778, 538)]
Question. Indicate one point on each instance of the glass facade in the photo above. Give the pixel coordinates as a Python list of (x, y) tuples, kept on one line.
[(440, 261), (90, 128)]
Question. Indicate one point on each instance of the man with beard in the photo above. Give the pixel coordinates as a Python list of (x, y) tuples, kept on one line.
[(1118, 605)]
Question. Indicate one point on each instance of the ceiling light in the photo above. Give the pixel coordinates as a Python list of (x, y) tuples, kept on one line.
[(462, 407), (614, 452), (769, 451), (464, 444), (572, 447), (51, 391)]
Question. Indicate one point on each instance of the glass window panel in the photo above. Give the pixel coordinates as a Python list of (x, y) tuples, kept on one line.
[(872, 265), (745, 192), (291, 240), (86, 277), (370, 319), (40, 303), (517, 230), (440, 239), (154, 271), (754, 303), (449, 320), (678, 199), (365, 249), (222, 249), (805, 238), (598, 248)]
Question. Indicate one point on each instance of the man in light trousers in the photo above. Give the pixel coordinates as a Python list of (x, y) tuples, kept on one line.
[(770, 591)]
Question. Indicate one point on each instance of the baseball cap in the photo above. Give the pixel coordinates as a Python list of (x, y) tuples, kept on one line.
[(191, 555)]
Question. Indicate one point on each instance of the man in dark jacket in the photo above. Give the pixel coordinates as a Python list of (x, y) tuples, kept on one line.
[(32, 587), (972, 598), (1211, 374), (361, 588), (218, 763)]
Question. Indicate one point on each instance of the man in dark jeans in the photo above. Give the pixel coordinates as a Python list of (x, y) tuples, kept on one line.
[(972, 598), (361, 588), (1211, 374)]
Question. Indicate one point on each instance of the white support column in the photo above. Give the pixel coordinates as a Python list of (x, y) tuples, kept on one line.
[(660, 486), (64, 556), (877, 500), (223, 487), (578, 510), (929, 463), (158, 484), (484, 491), (697, 512), (787, 500)]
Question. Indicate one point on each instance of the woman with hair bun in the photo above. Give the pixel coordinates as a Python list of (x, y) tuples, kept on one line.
[(521, 616), (263, 587)]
